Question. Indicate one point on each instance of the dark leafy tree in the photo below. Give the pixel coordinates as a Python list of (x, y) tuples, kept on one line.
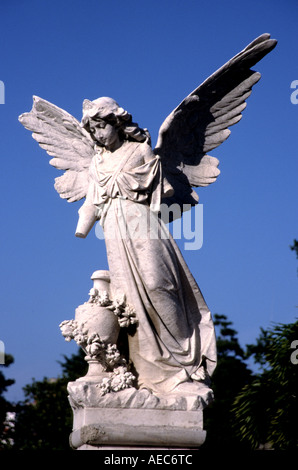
[(44, 419), (266, 411), (6, 428), (230, 376)]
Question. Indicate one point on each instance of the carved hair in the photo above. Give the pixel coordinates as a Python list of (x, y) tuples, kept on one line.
[(108, 110)]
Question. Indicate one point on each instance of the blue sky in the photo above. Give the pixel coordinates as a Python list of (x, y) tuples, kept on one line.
[(148, 56)]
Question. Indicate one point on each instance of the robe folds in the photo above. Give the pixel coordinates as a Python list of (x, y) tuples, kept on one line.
[(175, 333)]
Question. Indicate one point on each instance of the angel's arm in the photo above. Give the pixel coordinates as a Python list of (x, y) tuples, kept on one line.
[(88, 215)]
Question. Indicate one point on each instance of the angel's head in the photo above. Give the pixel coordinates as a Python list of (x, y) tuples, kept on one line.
[(109, 124)]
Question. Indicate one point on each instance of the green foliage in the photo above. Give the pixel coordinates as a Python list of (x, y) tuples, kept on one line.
[(230, 376), (4, 383), (266, 411), (5, 406), (44, 419)]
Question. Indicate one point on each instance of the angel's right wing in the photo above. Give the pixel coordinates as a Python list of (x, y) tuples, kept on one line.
[(62, 136)]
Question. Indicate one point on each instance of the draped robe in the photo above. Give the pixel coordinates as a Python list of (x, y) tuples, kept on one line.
[(175, 334)]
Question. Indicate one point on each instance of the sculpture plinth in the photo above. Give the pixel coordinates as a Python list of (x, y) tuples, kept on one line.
[(108, 428), (135, 418), (109, 411)]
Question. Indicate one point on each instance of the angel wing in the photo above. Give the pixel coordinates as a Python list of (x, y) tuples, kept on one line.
[(61, 135), (200, 123)]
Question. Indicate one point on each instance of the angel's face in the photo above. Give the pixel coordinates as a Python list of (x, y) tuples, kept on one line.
[(104, 133)]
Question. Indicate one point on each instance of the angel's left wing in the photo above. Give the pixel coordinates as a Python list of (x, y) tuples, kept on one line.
[(62, 136), (200, 123)]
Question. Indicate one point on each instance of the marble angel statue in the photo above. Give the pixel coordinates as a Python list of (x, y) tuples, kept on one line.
[(109, 161)]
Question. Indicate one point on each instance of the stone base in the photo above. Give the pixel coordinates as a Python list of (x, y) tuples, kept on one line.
[(107, 428), (87, 393), (137, 419)]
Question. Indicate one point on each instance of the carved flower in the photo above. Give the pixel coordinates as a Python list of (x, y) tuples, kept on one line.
[(94, 345), (118, 305), (121, 379), (95, 338), (131, 314), (91, 349), (117, 383), (112, 354), (128, 317), (80, 335), (103, 299), (80, 339), (105, 386), (93, 293), (67, 328)]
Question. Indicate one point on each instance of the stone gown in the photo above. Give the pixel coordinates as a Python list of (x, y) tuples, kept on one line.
[(175, 333)]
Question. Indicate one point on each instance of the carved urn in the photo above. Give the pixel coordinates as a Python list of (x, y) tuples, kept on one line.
[(94, 316), (96, 328)]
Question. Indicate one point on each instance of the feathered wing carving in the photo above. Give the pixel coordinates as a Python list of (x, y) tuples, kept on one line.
[(61, 135), (200, 123)]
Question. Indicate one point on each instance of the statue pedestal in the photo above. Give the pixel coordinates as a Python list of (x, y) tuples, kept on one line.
[(101, 427), (135, 419)]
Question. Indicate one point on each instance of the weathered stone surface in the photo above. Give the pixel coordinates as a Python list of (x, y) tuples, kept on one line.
[(137, 427), (88, 395)]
